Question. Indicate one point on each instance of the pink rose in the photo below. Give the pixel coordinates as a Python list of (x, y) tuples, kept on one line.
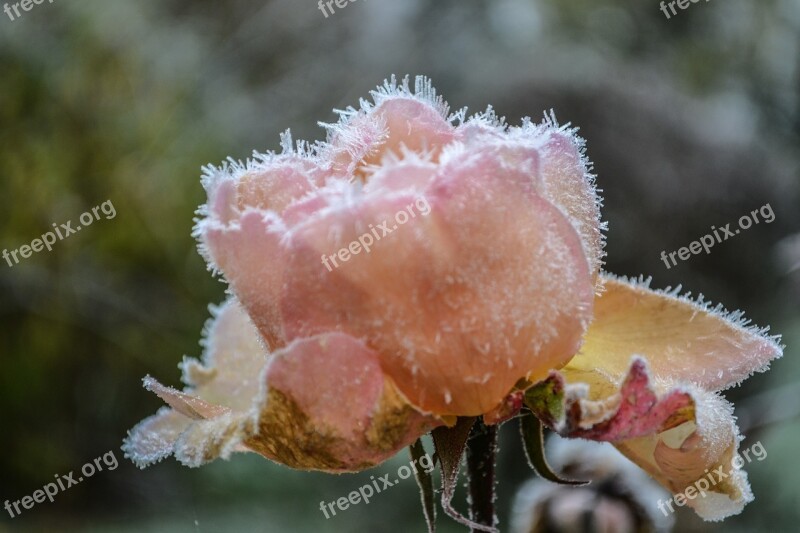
[(420, 266)]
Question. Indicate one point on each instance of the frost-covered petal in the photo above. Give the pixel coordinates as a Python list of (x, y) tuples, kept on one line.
[(153, 439), (458, 306), (220, 392), (560, 169), (699, 449), (188, 405), (270, 183), (481, 128), (412, 123), (682, 340), (568, 183), (320, 403), (412, 173), (676, 434), (330, 407), (250, 254), (400, 118), (273, 188)]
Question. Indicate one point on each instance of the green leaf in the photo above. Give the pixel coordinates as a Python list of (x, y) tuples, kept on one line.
[(532, 432), (546, 400)]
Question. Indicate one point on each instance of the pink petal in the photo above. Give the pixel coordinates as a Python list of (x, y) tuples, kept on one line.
[(401, 118), (321, 403), (458, 306), (274, 188), (334, 379), (558, 167), (410, 173), (252, 258), (414, 124), (272, 184), (329, 407), (568, 184)]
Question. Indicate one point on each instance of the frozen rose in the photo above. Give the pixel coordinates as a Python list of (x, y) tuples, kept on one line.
[(492, 292), (494, 285)]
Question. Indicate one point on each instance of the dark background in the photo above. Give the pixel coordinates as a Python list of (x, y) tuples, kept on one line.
[(691, 122)]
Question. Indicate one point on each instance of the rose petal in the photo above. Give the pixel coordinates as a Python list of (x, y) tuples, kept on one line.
[(479, 300), (221, 393), (561, 171), (252, 258), (568, 184), (694, 451), (682, 340), (270, 183), (153, 439), (329, 407), (399, 119), (186, 404), (321, 403), (275, 187), (588, 411), (412, 123), (411, 173), (677, 435)]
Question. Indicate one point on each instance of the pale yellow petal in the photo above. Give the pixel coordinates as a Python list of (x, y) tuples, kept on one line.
[(682, 340)]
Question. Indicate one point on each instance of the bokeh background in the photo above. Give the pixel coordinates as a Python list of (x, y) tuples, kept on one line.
[(691, 122)]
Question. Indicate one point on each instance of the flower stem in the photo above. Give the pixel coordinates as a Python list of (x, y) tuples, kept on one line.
[(481, 451)]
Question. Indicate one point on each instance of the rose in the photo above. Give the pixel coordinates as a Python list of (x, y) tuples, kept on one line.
[(457, 313)]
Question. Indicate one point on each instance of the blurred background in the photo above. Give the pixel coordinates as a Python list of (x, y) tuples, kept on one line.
[(691, 122)]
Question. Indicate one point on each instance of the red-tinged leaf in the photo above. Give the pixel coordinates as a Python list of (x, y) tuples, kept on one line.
[(508, 408), (634, 410), (637, 413)]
